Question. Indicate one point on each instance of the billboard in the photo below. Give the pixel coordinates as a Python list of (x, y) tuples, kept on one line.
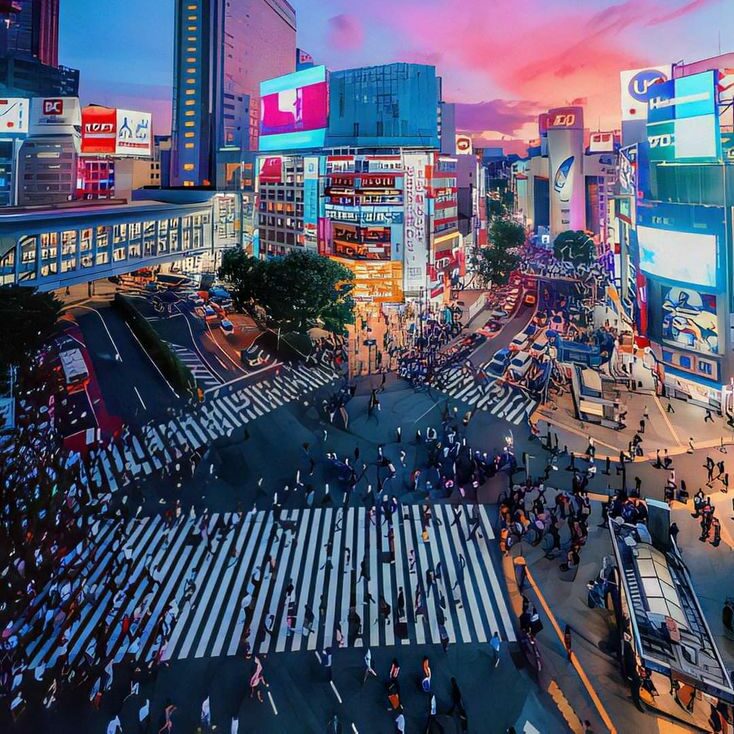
[(55, 116), (565, 154), (271, 169), (376, 282), (726, 85), (601, 142), (683, 121), (416, 211), (99, 130), (637, 85), (294, 110), (14, 114), (628, 170), (311, 197), (689, 319), (134, 133), (464, 145), (684, 257)]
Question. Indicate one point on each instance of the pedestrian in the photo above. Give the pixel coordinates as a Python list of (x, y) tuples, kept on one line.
[(368, 669), (495, 643), (567, 640), (394, 670), (642, 425), (426, 679), (257, 679), (457, 703), (327, 660), (669, 407), (444, 636), (709, 417)]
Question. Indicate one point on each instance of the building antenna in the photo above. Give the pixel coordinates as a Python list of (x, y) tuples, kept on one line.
[(719, 41)]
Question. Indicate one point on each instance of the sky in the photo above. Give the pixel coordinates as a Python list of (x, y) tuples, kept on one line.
[(502, 61)]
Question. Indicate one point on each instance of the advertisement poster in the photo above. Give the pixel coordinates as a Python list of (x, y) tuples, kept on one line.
[(637, 86), (690, 320), (294, 110), (565, 154), (14, 114), (99, 130), (310, 197), (416, 211), (134, 133), (55, 116)]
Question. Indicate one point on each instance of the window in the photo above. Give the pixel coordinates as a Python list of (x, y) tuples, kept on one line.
[(188, 167), (188, 145), (189, 135), (189, 113), (685, 362), (705, 368), (190, 92), (189, 123), (190, 103), (191, 60)]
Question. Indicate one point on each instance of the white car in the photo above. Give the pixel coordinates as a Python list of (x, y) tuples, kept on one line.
[(227, 327), (520, 364), (519, 343)]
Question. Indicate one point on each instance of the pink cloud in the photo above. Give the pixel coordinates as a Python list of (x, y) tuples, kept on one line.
[(345, 32), (499, 115), (530, 49)]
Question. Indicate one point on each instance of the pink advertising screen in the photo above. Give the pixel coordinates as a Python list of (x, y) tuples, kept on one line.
[(295, 110)]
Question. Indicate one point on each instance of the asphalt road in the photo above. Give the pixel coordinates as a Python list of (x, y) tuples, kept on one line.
[(514, 325), (131, 386)]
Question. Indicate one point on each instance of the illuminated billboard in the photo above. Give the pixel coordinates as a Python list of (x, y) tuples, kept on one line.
[(685, 257), (637, 86), (689, 319), (464, 144), (565, 160), (601, 142), (416, 229), (99, 130), (375, 282), (55, 116), (294, 110), (14, 114), (134, 133), (683, 121)]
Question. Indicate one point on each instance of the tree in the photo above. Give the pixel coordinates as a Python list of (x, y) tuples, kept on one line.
[(296, 292), (496, 262), (574, 246), (29, 317)]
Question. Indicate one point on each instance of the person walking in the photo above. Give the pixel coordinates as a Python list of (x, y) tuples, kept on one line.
[(394, 670), (368, 669), (426, 679), (494, 644), (457, 702), (567, 641)]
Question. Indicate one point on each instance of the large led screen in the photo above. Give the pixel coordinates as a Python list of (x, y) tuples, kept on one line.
[(685, 257), (294, 110), (689, 320)]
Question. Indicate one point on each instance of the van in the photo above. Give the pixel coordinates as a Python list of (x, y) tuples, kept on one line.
[(540, 345), (519, 343), (520, 364)]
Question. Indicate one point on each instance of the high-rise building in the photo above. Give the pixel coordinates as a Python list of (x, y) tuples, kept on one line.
[(32, 32), (223, 50)]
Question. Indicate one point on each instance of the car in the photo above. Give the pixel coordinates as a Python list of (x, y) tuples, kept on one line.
[(196, 300), (520, 364), (519, 343), (209, 314), (498, 363), (490, 328), (172, 281), (254, 356), (227, 327), (540, 345), (530, 299)]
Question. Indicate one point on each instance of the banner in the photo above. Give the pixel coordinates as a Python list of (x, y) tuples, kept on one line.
[(55, 116), (99, 130), (416, 233), (134, 133), (565, 160), (14, 114)]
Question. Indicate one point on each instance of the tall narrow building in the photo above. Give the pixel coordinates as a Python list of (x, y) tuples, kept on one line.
[(223, 50)]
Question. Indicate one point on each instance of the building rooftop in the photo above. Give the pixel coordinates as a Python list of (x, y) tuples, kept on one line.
[(670, 630)]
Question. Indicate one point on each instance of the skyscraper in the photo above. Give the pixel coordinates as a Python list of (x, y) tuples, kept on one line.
[(33, 32), (223, 50)]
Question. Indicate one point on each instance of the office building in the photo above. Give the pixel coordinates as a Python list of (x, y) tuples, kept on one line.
[(223, 50), (32, 32)]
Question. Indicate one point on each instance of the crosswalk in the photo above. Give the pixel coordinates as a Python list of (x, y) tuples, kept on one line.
[(225, 410), (497, 397), (320, 552), (204, 377)]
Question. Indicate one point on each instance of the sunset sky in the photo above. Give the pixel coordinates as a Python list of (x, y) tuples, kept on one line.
[(502, 61)]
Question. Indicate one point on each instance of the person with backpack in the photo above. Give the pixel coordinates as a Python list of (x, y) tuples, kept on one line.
[(426, 679)]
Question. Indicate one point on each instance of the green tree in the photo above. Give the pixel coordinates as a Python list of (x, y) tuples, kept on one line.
[(29, 317), (574, 246), (296, 292), (496, 262)]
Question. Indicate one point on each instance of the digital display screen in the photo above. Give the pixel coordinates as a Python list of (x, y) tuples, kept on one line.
[(689, 319), (686, 257), (294, 110)]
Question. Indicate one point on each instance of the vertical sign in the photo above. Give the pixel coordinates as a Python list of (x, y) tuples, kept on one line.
[(311, 199), (416, 232), (565, 154)]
